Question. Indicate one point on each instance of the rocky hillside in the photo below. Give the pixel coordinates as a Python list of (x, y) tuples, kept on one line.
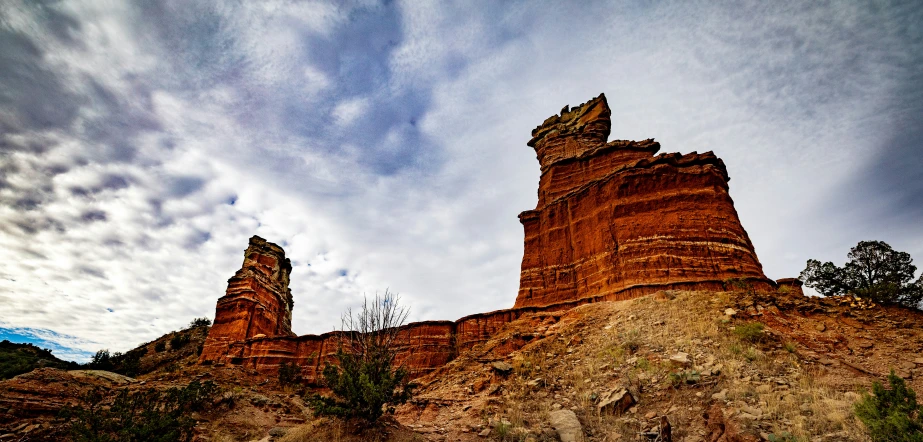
[(714, 366), (718, 366)]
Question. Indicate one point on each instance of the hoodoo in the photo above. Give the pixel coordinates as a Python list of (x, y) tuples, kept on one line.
[(614, 221), (257, 303)]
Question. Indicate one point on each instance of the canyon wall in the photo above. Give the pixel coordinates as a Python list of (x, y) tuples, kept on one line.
[(613, 221)]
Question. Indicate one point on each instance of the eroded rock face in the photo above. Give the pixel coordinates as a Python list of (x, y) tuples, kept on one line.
[(257, 301), (614, 221)]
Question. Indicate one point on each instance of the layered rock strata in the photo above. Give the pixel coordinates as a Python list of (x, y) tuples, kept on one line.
[(614, 221), (257, 302)]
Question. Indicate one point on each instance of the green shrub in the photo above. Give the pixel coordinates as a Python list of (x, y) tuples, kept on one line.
[(160, 346), (366, 382), (750, 332), (289, 373), (179, 340), (146, 415), (200, 322), (891, 414), (688, 377)]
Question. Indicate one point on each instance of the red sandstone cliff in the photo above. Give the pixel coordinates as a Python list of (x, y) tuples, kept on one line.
[(614, 221)]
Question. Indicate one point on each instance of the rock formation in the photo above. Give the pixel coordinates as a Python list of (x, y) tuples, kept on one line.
[(614, 221), (257, 302)]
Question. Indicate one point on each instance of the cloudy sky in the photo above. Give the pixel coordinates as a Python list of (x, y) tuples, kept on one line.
[(383, 144)]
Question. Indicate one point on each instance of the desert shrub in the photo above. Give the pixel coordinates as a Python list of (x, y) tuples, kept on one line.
[(750, 332), (200, 322), (102, 360), (160, 346), (366, 382), (784, 436), (891, 414), (631, 340), (128, 364), (288, 373), (145, 415), (179, 340), (687, 377)]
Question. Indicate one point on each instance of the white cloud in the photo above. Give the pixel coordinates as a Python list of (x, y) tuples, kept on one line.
[(406, 172), (347, 111)]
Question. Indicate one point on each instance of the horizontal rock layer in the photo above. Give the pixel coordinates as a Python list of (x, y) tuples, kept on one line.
[(257, 302), (614, 221)]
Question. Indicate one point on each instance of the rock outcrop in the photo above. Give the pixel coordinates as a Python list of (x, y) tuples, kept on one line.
[(614, 221), (257, 301)]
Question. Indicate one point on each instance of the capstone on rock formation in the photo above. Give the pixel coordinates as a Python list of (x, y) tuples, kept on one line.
[(613, 221)]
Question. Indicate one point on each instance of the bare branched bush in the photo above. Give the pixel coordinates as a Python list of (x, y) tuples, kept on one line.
[(366, 382)]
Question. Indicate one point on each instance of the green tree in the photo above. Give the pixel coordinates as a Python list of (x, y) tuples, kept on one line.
[(366, 382), (200, 322), (891, 414), (874, 271), (102, 360)]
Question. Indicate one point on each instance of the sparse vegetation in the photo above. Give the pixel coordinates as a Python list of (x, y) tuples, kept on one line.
[(128, 364), (365, 381), (145, 415), (874, 271), (16, 359), (751, 332), (289, 374), (892, 414), (160, 346), (200, 322), (179, 340)]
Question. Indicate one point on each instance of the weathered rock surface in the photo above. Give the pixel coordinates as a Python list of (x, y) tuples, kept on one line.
[(567, 425), (614, 221), (257, 301)]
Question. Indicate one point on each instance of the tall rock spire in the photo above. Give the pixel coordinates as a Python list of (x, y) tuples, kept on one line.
[(613, 221)]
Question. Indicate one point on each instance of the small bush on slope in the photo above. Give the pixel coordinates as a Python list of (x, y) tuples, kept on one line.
[(892, 415), (366, 383), (146, 415)]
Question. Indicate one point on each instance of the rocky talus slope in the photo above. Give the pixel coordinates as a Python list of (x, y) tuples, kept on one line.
[(720, 366)]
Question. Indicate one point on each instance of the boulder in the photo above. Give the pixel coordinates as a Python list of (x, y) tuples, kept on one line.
[(502, 367), (567, 425), (615, 401)]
